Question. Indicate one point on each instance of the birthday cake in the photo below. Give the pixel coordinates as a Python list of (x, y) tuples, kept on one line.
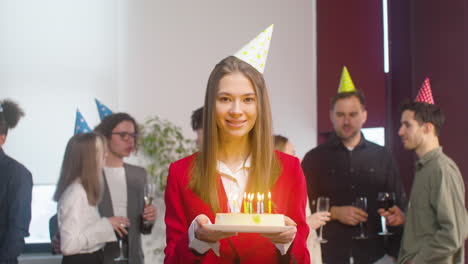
[(249, 219)]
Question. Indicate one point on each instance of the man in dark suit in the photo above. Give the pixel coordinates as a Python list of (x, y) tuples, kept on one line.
[(15, 191), (124, 185)]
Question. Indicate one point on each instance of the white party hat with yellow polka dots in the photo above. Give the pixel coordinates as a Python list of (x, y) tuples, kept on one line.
[(255, 52)]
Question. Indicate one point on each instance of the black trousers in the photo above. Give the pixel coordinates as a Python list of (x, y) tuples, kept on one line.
[(88, 258)]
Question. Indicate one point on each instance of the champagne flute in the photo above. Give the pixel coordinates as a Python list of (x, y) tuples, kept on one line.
[(323, 205), (122, 258), (149, 192), (385, 200), (361, 203)]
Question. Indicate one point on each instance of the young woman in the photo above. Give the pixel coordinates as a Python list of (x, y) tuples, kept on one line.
[(79, 189), (314, 220), (237, 158)]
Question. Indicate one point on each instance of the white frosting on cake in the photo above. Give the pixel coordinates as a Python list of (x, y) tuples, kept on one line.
[(250, 219)]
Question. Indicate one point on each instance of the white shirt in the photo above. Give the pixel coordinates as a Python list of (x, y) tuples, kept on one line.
[(82, 229), (312, 244), (117, 184), (234, 183)]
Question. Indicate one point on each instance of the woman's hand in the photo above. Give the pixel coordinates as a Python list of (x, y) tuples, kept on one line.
[(283, 237), (318, 219), (204, 234), (119, 223)]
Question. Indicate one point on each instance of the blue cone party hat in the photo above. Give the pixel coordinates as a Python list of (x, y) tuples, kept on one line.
[(102, 109), (80, 124)]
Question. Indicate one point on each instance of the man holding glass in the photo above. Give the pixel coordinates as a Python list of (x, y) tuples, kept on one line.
[(437, 222), (348, 168), (124, 186)]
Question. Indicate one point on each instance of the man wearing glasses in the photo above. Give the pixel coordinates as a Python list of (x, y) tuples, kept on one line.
[(124, 184)]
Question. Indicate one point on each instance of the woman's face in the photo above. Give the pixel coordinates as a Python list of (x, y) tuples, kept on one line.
[(236, 106)]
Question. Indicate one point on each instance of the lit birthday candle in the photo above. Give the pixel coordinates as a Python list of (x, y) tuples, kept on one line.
[(251, 196), (258, 203), (262, 200), (245, 203), (269, 202)]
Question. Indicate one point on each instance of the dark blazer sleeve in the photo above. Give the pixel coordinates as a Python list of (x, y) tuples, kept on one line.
[(19, 212)]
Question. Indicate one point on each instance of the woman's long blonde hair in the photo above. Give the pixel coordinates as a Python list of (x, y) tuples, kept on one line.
[(82, 160), (265, 167)]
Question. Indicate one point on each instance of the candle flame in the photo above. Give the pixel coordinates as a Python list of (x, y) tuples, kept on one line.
[(269, 195)]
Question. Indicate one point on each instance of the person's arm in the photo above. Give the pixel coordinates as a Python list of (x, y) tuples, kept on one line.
[(177, 240), (19, 214), (74, 238), (447, 199)]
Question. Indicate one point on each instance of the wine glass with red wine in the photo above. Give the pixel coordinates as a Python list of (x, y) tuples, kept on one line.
[(385, 200)]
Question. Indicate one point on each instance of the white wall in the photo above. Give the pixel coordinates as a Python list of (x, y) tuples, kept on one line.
[(55, 56), (145, 58), (172, 46)]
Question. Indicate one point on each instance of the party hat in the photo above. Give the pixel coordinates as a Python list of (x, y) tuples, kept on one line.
[(346, 83), (80, 124), (102, 109), (255, 52), (425, 93)]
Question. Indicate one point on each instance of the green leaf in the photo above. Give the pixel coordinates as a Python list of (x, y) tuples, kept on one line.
[(162, 143)]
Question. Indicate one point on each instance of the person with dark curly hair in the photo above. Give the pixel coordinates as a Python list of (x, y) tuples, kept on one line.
[(15, 191)]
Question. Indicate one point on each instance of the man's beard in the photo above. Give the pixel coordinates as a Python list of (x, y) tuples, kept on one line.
[(344, 138)]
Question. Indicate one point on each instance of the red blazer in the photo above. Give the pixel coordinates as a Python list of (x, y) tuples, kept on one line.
[(182, 206)]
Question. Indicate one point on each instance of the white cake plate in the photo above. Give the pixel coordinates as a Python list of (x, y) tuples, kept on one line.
[(249, 228)]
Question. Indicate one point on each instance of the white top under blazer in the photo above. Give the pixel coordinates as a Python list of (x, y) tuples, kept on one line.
[(82, 229)]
